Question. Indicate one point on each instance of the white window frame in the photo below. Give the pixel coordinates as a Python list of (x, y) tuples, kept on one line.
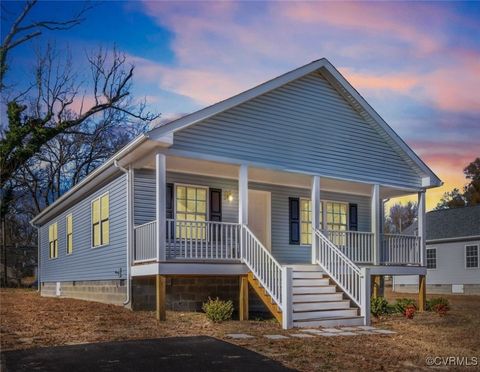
[(436, 258), (325, 214), (302, 221), (207, 205), (91, 221), (49, 249), (66, 234), (478, 258)]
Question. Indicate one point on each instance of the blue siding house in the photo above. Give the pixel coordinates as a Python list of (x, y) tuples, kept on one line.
[(279, 189)]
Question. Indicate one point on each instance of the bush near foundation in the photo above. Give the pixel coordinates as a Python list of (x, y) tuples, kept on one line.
[(218, 310), (401, 305), (378, 306), (439, 304)]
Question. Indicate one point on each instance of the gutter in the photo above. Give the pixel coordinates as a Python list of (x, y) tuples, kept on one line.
[(38, 254), (128, 174)]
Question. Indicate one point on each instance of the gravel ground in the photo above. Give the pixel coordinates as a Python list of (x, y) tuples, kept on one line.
[(30, 321)]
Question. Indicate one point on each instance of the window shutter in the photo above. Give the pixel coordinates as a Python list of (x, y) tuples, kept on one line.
[(294, 220), (169, 200), (353, 217), (216, 205)]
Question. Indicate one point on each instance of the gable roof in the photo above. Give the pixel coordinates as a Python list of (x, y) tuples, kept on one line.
[(453, 223), (429, 179)]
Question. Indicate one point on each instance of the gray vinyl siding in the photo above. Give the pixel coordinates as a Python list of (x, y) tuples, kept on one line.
[(87, 263), (144, 207), (306, 126)]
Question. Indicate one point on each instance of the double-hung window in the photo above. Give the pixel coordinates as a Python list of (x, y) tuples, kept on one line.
[(69, 228), (306, 221), (337, 221), (190, 206), (53, 240), (431, 258), (101, 221), (471, 256)]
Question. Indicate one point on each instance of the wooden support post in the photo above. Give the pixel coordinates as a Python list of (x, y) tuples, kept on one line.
[(243, 302), (161, 297), (422, 293), (376, 284)]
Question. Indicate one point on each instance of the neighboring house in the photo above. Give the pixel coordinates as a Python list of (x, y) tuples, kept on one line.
[(452, 256), (279, 187)]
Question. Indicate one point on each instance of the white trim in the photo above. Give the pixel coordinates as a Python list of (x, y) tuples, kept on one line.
[(470, 237), (286, 78), (66, 234), (91, 221), (478, 257), (190, 268)]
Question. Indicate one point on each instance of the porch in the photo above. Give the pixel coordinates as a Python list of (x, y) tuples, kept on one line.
[(302, 247)]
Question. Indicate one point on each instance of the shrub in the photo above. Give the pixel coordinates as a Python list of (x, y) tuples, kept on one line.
[(402, 303), (409, 311), (440, 305), (218, 310), (378, 306)]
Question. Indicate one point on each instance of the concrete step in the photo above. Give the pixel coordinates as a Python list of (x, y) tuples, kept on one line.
[(324, 305), (318, 297), (330, 322), (305, 315), (310, 282), (307, 275)]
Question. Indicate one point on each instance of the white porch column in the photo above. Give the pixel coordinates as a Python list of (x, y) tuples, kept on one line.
[(421, 226), (375, 218), (315, 197), (160, 192), (243, 194)]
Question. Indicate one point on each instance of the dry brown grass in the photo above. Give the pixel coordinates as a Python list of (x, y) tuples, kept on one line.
[(28, 320)]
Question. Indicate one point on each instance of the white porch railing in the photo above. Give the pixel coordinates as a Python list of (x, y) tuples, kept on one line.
[(339, 267), (356, 245), (399, 249), (263, 265), (205, 240), (145, 242)]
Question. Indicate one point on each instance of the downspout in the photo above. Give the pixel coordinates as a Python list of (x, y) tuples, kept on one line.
[(129, 220)]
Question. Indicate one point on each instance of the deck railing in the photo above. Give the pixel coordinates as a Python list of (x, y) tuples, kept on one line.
[(263, 265), (356, 245), (339, 267), (145, 242), (399, 249), (205, 240)]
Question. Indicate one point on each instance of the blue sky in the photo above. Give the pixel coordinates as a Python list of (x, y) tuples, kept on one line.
[(417, 63)]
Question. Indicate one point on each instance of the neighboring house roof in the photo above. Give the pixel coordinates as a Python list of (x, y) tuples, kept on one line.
[(446, 224), (340, 83)]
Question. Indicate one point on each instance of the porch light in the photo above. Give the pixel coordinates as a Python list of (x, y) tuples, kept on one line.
[(229, 196)]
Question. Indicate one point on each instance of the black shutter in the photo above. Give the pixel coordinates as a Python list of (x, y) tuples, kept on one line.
[(294, 220), (216, 205), (352, 217), (169, 200)]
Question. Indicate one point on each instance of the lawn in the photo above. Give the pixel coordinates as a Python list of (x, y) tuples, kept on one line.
[(28, 320)]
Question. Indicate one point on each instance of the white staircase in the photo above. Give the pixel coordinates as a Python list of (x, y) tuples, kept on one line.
[(317, 302)]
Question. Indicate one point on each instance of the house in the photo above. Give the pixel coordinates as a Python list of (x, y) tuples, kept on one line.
[(277, 190), (452, 253)]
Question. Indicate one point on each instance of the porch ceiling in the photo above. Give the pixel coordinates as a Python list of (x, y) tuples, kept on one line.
[(269, 176)]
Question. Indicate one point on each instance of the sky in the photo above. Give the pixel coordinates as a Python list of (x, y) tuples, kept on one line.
[(416, 63)]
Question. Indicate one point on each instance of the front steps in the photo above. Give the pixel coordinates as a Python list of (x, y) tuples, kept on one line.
[(316, 301)]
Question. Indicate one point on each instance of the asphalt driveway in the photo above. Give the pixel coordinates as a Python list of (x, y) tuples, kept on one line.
[(164, 354)]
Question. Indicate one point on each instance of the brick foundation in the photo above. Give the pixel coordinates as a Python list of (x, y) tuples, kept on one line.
[(105, 291), (189, 293)]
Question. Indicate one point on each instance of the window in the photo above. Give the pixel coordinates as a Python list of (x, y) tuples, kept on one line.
[(471, 256), (69, 228), (190, 205), (53, 240), (100, 221), (337, 221), (431, 258), (305, 221)]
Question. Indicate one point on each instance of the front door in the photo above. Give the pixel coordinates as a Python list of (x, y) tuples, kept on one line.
[(259, 215)]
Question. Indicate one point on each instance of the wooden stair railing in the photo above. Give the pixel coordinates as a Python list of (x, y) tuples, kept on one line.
[(265, 297)]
